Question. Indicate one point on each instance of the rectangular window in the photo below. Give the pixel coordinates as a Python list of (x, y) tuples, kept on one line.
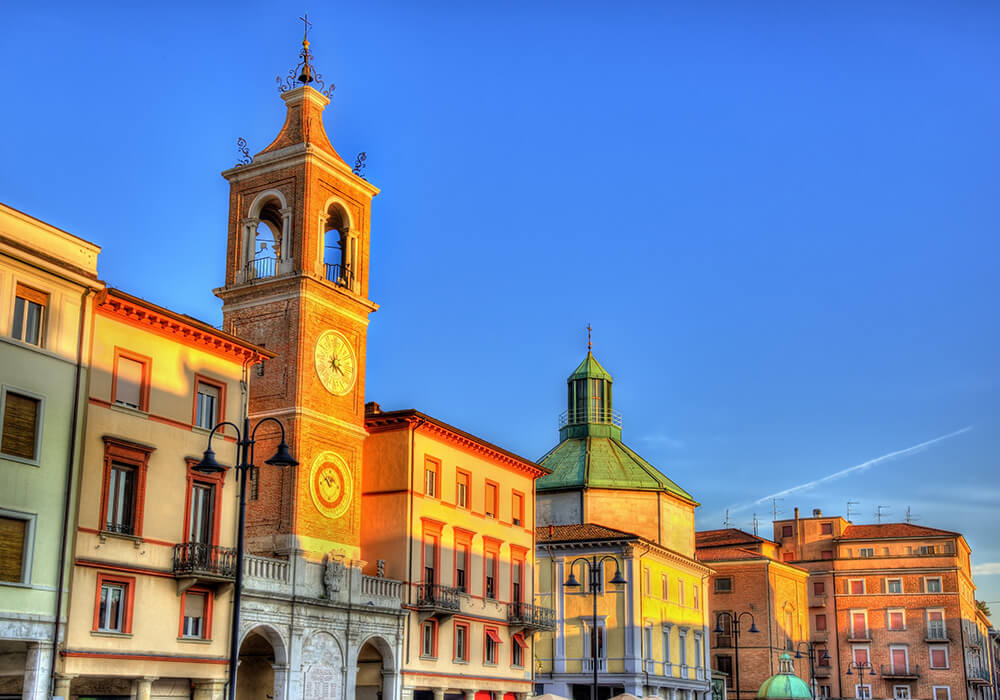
[(516, 508), (29, 315), (121, 499), (863, 692), (856, 586), (932, 585), (665, 585), (821, 623), (491, 565), (894, 585), (21, 426), (697, 651), (824, 692), (491, 645), (430, 559), (490, 507), (666, 644), (860, 655), (14, 546), (194, 623), (113, 611), (826, 528), (518, 650), (939, 656), (826, 554), (926, 549), (695, 601), (725, 665), (432, 470), (131, 381), (935, 625), (680, 593), (788, 556), (461, 642), (786, 530), (682, 650), (428, 639), (819, 587), (646, 585), (901, 692), (896, 620), (516, 580), (866, 552), (208, 399), (462, 489), (898, 658), (859, 625), (202, 509), (942, 692), (462, 566)]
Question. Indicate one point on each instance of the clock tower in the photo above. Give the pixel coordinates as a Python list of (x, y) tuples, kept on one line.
[(297, 284)]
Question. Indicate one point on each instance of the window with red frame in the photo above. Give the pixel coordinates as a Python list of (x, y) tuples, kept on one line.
[(491, 565), (859, 625), (517, 580), (490, 507), (428, 639), (432, 472), (462, 489), (491, 646), (130, 381), (856, 586), (430, 558), (123, 495), (462, 556), (209, 398), (461, 642), (196, 614), (203, 507), (518, 650), (826, 528), (113, 607), (786, 530), (516, 508)]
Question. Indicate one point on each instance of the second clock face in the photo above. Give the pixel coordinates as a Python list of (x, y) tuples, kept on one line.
[(331, 484), (335, 362)]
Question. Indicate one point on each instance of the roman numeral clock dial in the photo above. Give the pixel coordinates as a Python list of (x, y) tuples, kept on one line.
[(335, 362)]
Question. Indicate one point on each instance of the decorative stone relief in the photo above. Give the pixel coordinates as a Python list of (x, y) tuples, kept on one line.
[(333, 574), (322, 664)]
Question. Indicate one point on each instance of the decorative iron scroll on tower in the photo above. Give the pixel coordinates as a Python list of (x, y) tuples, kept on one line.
[(360, 164), (303, 73)]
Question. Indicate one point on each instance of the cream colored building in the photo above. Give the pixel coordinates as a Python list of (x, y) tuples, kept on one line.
[(451, 516), (48, 279), (153, 564)]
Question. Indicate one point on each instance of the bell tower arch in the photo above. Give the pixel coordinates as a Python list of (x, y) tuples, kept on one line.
[(297, 283)]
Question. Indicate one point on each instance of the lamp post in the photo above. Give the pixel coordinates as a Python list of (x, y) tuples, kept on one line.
[(861, 666), (282, 458), (594, 566), (734, 621), (812, 669)]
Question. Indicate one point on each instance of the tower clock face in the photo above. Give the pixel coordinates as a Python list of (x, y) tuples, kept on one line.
[(331, 484), (335, 362)]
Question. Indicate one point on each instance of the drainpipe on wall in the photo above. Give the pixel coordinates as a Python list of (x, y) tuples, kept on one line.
[(67, 500), (409, 518)]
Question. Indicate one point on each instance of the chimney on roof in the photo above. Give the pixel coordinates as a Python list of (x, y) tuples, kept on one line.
[(817, 513), (372, 409), (552, 530), (796, 512)]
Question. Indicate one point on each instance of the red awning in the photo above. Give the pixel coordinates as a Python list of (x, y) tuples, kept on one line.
[(494, 637), (519, 640)]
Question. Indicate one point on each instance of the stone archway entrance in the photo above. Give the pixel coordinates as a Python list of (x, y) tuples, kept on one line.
[(376, 671), (261, 654)]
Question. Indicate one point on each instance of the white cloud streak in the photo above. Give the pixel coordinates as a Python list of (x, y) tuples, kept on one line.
[(856, 468), (987, 569)]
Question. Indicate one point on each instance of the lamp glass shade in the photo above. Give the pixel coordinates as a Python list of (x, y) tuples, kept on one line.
[(873, 672), (571, 582), (208, 464), (718, 627), (798, 654), (618, 579), (282, 458), (849, 671), (753, 628)]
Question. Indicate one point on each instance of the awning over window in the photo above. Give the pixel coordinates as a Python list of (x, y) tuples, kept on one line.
[(493, 636), (519, 640)]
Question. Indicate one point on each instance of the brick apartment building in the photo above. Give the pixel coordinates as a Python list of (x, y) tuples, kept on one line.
[(751, 578), (896, 604)]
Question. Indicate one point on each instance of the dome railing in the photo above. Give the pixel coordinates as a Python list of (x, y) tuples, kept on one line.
[(582, 416)]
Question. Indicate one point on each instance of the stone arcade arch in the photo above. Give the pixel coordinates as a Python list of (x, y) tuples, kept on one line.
[(377, 673), (263, 665)]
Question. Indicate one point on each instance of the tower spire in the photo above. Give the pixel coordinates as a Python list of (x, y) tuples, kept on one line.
[(304, 73), (590, 345)]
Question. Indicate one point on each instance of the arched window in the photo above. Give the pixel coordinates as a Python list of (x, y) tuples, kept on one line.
[(263, 247), (338, 248)]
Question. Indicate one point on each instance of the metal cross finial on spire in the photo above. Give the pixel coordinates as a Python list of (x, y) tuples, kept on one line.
[(303, 73), (590, 345), (307, 26)]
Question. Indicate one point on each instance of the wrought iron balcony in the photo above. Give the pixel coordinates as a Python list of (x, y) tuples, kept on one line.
[(204, 561), (437, 599), (900, 672), (259, 268), (531, 617), (340, 275), (977, 676), (590, 415), (936, 633)]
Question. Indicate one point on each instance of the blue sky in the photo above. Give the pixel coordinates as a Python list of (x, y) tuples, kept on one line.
[(780, 218)]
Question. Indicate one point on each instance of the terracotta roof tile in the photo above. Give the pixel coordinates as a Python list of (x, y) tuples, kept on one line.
[(725, 537), (727, 554), (579, 533), (891, 530)]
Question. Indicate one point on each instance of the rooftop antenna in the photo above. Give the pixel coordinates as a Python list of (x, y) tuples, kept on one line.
[(850, 511), (774, 508), (590, 345), (725, 521), (878, 513), (910, 517), (755, 524)]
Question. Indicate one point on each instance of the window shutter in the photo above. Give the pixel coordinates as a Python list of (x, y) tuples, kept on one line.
[(194, 605), (20, 421), (128, 389), (12, 535), (29, 294)]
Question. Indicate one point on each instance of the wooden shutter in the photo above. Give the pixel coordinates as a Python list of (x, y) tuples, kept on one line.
[(29, 294), (12, 536), (128, 386), (20, 425)]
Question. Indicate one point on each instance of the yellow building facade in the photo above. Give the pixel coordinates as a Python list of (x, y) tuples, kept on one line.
[(603, 503), (153, 563), (450, 515)]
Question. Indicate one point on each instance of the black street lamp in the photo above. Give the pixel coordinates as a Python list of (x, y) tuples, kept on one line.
[(861, 666), (734, 621), (811, 646), (595, 568), (282, 458)]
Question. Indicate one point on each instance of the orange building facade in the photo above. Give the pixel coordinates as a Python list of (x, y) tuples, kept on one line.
[(894, 603)]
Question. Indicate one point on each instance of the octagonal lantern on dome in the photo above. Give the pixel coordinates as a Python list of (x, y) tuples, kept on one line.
[(785, 684)]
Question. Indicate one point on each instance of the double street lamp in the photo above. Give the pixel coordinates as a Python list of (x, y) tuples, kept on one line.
[(595, 571), (734, 621), (811, 648), (245, 440)]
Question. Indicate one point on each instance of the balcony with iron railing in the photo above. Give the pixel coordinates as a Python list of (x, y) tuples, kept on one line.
[(340, 275), (977, 676), (580, 416), (204, 562), (936, 633), (900, 673), (588, 664), (440, 601), (531, 617), (260, 268)]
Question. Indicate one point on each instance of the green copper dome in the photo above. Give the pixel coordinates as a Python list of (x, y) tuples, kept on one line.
[(785, 684), (591, 453)]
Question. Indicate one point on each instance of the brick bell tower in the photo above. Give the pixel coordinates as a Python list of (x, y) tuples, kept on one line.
[(297, 283)]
